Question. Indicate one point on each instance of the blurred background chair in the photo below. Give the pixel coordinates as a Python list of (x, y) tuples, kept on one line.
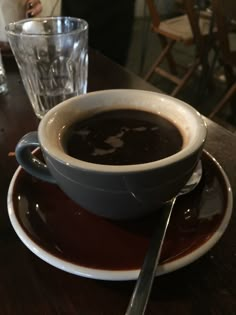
[(190, 28), (224, 12)]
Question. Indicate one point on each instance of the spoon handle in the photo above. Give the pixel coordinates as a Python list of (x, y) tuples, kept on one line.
[(139, 299)]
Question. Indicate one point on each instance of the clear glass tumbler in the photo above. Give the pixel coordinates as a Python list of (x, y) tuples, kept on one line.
[(3, 80), (52, 57)]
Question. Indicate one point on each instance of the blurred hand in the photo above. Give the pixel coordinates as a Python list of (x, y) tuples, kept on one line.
[(32, 8)]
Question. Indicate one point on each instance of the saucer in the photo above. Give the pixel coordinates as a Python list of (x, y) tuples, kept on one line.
[(70, 238)]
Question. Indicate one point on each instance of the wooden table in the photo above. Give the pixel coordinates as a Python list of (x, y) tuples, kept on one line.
[(30, 286)]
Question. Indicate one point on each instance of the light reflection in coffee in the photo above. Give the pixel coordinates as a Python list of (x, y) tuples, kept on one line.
[(122, 137)]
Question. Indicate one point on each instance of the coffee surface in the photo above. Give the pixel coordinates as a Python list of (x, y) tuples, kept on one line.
[(122, 137)]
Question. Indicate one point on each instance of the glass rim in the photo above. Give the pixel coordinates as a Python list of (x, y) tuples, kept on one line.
[(9, 28)]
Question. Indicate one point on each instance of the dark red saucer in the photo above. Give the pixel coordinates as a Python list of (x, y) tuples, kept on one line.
[(70, 238)]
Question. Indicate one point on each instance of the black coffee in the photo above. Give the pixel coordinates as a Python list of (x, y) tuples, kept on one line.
[(122, 137)]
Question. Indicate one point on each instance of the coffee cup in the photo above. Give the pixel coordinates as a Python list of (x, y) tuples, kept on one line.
[(119, 188)]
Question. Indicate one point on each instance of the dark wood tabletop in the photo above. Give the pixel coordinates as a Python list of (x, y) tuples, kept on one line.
[(29, 285)]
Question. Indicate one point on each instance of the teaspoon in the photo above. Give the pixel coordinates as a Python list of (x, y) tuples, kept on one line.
[(142, 290)]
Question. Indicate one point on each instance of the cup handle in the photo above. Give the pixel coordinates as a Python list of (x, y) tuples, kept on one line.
[(29, 161)]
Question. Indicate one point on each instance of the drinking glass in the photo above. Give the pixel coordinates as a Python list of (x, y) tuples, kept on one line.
[(3, 80), (52, 57)]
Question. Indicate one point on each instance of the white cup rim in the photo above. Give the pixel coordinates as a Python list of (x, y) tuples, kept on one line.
[(56, 116)]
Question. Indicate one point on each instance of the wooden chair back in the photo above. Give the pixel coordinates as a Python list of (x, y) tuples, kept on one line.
[(193, 13), (225, 16), (224, 12), (155, 17)]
